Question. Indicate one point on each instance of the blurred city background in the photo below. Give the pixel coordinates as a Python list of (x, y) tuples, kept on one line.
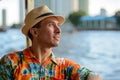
[(90, 35)]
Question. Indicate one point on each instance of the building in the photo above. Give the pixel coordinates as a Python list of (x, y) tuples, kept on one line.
[(103, 12), (62, 7), (99, 22), (84, 5), (21, 11), (4, 18)]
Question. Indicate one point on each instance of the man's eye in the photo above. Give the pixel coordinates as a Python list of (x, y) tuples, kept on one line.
[(50, 24), (53, 24)]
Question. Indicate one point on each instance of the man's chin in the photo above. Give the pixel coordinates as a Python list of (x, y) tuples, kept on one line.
[(55, 45)]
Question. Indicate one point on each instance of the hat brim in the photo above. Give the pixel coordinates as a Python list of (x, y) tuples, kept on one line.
[(26, 28)]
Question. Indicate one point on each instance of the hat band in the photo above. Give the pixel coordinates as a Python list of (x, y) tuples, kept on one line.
[(46, 14)]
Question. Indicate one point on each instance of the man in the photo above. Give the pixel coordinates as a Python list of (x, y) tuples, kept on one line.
[(38, 62)]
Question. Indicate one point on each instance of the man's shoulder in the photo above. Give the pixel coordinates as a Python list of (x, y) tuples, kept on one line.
[(11, 56), (66, 61), (14, 54)]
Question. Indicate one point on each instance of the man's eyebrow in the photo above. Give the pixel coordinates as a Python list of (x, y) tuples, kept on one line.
[(49, 21)]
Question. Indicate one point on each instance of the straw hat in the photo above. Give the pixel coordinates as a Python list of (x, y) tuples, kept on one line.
[(38, 14)]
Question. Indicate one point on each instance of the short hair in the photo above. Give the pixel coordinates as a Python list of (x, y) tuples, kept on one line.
[(35, 26)]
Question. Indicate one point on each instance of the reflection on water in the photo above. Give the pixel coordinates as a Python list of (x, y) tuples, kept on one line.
[(11, 40), (97, 50)]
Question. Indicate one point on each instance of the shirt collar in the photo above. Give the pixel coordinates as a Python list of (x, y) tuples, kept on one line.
[(29, 54)]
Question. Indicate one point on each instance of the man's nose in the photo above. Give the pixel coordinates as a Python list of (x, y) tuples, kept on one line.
[(57, 29)]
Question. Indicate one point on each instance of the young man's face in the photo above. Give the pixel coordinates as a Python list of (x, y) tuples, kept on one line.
[(49, 32)]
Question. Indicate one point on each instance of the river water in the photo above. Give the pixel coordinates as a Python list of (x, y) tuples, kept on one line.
[(97, 50)]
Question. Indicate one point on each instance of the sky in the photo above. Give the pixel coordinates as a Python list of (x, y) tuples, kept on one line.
[(111, 6), (11, 6)]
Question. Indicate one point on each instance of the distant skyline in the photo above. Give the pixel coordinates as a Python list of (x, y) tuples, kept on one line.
[(12, 12), (111, 6), (12, 6)]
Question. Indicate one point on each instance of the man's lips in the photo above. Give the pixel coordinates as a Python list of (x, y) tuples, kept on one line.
[(57, 38)]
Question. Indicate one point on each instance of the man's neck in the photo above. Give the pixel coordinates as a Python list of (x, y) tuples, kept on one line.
[(41, 53)]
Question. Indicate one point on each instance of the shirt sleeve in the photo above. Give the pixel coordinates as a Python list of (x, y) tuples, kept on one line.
[(6, 71), (77, 72), (86, 74), (83, 73)]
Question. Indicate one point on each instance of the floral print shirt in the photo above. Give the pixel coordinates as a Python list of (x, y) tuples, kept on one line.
[(22, 65)]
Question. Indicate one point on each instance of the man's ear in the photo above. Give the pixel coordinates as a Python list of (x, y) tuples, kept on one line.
[(34, 32)]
